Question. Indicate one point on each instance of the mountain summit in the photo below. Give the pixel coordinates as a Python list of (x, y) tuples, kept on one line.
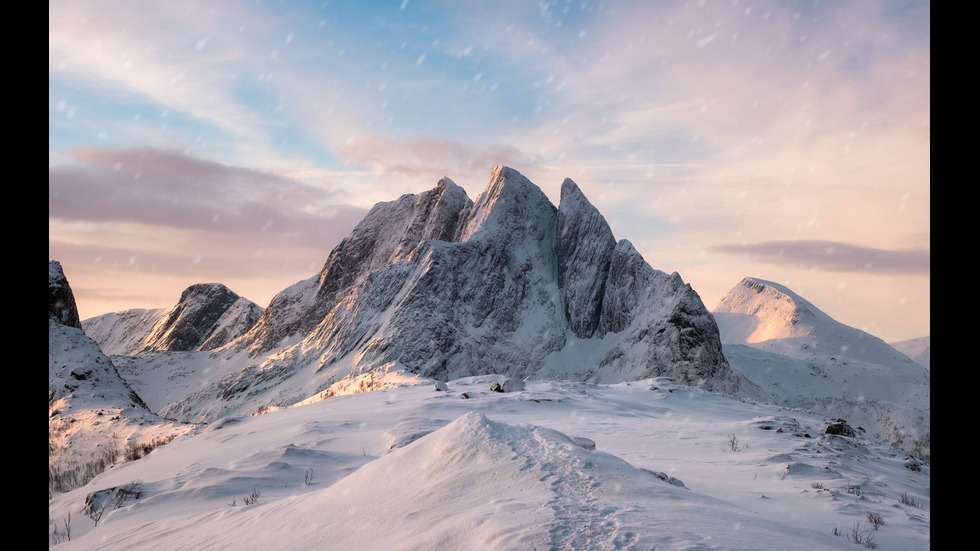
[(442, 286)]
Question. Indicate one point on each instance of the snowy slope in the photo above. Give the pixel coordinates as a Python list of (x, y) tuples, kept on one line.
[(557, 465), (918, 349), (804, 358), (93, 413)]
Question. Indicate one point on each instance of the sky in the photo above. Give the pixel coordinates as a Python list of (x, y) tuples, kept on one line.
[(238, 142)]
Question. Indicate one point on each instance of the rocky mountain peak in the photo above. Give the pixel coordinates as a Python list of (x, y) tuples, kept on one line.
[(446, 287), (511, 206), (207, 316), (61, 300)]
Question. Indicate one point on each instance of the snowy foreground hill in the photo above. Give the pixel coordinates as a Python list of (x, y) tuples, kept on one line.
[(577, 400), (558, 465), (424, 464)]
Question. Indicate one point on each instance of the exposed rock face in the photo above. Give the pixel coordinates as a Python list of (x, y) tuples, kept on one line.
[(61, 301), (389, 232), (194, 323), (207, 316), (584, 252)]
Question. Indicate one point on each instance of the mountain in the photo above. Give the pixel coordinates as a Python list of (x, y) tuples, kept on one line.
[(207, 316), (443, 287), (94, 416), (801, 357), (917, 349)]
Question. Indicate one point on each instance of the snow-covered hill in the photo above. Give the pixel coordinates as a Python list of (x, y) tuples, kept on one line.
[(557, 465), (803, 358)]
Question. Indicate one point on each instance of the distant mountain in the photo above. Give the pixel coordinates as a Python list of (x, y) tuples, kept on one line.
[(443, 287), (772, 335), (207, 316), (93, 413), (917, 349)]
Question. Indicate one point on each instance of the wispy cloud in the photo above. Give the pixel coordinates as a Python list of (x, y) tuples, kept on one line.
[(836, 257), (176, 191)]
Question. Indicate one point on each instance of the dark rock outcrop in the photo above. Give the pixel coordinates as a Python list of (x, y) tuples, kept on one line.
[(61, 300)]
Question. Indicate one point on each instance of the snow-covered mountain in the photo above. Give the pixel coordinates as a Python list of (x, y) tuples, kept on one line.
[(207, 316), (444, 287), (801, 357), (93, 413), (918, 349)]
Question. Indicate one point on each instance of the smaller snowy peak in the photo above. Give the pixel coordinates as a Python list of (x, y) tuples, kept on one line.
[(61, 300), (198, 315), (757, 310), (768, 315), (207, 316)]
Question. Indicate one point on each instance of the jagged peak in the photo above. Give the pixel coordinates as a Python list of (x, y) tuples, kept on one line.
[(447, 184), (204, 291), (571, 193), (509, 195), (61, 300)]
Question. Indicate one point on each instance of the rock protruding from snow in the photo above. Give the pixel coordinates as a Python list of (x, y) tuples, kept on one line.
[(61, 300)]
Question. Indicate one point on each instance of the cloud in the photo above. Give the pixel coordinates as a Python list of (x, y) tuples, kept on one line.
[(833, 256), (432, 156), (167, 189)]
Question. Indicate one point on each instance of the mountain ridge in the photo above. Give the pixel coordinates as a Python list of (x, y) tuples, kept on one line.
[(556, 296)]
